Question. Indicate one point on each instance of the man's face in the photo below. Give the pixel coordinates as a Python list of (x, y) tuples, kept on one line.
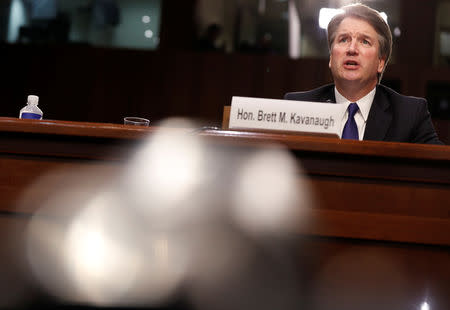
[(354, 54)]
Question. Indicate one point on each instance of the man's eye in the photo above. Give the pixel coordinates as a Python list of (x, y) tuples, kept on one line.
[(343, 40), (365, 42)]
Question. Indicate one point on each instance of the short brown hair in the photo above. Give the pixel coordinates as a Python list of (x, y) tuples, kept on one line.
[(371, 16)]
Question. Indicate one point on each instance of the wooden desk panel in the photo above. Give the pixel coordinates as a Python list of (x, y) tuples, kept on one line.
[(402, 184)]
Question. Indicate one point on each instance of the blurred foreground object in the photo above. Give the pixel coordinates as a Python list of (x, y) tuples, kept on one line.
[(183, 216)]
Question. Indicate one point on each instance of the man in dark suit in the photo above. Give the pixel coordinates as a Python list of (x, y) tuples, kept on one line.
[(360, 44)]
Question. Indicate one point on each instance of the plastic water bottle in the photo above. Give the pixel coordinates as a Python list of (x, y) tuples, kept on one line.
[(31, 110)]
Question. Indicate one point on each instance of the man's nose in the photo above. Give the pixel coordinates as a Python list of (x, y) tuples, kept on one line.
[(352, 47)]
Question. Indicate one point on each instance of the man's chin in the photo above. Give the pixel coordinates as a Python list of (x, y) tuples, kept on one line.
[(350, 79), (352, 76), (355, 83)]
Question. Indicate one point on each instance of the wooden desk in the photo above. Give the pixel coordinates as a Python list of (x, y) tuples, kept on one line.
[(371, 196)]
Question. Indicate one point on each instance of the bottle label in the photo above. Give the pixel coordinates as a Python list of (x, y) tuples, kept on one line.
[(30, 116)]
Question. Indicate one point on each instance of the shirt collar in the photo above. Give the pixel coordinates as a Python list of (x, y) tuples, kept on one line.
[(364, 103)]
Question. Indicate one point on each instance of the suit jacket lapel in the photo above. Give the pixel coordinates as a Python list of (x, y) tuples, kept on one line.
[(379, 118), (328, 95)]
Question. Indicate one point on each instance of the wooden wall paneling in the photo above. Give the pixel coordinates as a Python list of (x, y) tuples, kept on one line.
[(307, 74), (15, 65), (71, 85), (42, 72), (413, 32), (213, 87), (148, 94), (242, 70), (275, 76), (179, 84), (115, 80), (102, 92)]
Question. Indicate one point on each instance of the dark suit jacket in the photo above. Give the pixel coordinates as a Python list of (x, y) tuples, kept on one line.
[(392, 117)]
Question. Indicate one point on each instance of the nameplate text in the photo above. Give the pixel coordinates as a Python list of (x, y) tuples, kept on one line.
[(285, 115)]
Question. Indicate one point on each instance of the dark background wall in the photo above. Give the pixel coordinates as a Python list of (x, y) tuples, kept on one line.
[(83, 83)]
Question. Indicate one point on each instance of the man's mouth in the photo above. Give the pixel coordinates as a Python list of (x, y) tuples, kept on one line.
[(351, 64)]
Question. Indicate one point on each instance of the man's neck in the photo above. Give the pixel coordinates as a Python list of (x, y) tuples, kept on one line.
[(354, 92)]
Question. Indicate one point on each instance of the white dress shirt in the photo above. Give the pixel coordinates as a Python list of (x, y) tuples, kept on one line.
[(364, 105)]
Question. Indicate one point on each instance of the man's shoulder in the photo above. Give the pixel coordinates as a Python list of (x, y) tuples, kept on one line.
[(397, 98), (411, 121), (321, 94)]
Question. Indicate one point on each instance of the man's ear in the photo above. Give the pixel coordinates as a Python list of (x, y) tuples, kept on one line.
[(381, 65)]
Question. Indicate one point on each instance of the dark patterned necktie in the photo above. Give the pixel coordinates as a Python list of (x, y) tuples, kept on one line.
[(351, 129)]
